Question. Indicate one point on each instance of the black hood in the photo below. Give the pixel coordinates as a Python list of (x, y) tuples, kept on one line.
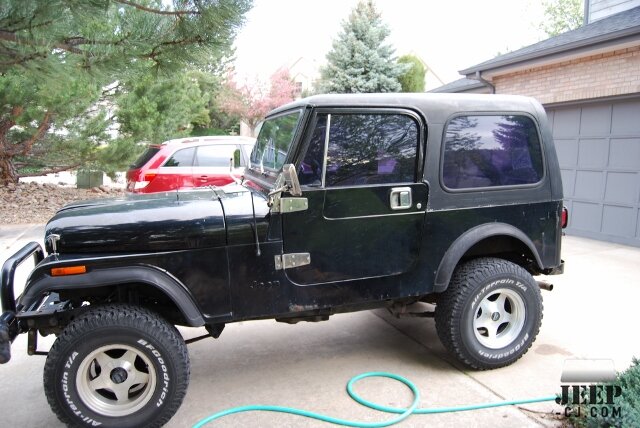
[(154, 222)]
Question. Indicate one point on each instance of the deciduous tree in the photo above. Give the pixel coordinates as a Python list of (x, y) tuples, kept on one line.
[(561, 16), (251, 101), (412, 79)]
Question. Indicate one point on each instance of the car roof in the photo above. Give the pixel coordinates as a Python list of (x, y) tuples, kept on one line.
[(217, 139), (436, 108)]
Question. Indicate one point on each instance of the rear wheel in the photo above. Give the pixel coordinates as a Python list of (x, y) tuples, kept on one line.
[(490, 314), (117, 366)]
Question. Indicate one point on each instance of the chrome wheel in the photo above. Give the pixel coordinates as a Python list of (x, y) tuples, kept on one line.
[(499, 318), (116, 380)]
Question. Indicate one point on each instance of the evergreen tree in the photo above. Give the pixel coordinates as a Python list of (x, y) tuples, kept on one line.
[(360, 60), (412, 80), (58, 57)]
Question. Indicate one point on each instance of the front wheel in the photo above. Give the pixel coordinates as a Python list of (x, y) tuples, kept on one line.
[(117, 366), (490, 314)]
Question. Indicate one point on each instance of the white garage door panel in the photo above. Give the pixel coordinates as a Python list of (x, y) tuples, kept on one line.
[(598, 148)]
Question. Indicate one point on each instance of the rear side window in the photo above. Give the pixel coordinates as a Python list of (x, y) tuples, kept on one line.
[(182, 158), (218, 155), (371, 149), (145, 157), (490, 151)]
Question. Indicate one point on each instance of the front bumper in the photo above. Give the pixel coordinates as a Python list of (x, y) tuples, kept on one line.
[(8, 323)]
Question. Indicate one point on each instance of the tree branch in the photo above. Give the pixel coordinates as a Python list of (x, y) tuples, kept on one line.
[(78, 40), (154, 52), (10, 36), (50, 171), (7, 123), (24, 147), (158, 11)]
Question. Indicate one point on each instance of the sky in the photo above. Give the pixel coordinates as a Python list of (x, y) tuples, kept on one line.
[(449, 35)]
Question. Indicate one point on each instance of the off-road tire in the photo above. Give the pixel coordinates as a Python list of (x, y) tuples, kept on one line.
[(457, 307), (154, 345)]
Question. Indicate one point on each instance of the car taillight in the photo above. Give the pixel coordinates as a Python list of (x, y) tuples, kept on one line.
[(143, 180), (564, 217)]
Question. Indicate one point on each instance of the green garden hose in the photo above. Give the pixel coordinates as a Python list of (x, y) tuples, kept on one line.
[(403, 413)]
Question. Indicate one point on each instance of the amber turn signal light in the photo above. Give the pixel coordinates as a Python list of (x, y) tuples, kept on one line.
[(69, 270)]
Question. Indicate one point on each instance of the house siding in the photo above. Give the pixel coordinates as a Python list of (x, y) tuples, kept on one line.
[(599, 9), (604, 75)]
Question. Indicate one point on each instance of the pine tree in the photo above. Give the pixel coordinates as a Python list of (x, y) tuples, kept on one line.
[(360, 60), (59, 57)]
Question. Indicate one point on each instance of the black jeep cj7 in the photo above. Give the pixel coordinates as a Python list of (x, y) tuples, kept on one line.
[(349, 203)]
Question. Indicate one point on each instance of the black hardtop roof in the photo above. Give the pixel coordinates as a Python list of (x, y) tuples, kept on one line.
[(436, 108)]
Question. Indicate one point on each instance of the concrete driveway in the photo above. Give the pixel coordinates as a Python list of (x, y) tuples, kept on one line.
[(589, 314)]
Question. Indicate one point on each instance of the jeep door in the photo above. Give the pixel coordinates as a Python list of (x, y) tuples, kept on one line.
[(359, 171)]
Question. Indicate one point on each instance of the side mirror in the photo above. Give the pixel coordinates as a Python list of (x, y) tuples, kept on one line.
[(287, 181), (291, 179)]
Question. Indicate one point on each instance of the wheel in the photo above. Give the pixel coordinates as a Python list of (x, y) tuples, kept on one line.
[(117, 366), (490, 314)]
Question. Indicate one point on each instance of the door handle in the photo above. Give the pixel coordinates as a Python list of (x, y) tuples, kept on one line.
[(400, 198)]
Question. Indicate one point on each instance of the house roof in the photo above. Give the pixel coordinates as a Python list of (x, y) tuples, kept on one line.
[(613, 30), (459, 85)]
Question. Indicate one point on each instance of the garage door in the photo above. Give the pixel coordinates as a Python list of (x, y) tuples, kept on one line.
[(598, 148)]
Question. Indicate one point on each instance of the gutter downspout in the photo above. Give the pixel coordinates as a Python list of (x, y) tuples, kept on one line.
[(485, 82)]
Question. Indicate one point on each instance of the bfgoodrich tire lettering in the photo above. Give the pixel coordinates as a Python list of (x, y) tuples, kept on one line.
[(490, 314), (117, 366)]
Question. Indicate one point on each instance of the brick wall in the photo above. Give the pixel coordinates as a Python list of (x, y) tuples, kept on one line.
[(608, 74)]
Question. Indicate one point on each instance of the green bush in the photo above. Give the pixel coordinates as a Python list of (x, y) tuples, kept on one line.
[(629, 403)]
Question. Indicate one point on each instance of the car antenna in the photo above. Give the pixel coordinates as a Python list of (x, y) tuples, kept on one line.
[(255, 226)]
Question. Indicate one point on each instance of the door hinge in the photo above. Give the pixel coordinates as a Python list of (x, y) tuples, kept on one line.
[(289, 205), (292, 260)]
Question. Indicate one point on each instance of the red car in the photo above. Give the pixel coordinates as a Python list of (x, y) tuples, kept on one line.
[(188, 162)]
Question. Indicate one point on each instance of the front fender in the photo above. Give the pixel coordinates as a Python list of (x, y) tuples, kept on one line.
[(101, 277), (467, 240)]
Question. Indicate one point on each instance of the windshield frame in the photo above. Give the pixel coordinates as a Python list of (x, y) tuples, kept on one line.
[(265, 176)]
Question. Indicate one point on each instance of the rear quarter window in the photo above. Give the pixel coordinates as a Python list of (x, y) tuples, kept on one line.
[(485, 151), (145, 157)]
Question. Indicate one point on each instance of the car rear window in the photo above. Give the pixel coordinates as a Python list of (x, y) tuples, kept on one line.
[(218, 155), (145, 157), (491, 151)]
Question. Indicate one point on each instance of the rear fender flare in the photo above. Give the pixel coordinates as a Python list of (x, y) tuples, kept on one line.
[(467, 240), (101, 277)]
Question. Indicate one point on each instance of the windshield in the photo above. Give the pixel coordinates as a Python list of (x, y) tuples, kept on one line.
[(274, 141)]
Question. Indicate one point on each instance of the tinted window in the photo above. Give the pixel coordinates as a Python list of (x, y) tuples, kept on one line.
[(371, 149), (486, 151), (145, 157), (215, 155), (274, 141), (182, 157), (310, 170)]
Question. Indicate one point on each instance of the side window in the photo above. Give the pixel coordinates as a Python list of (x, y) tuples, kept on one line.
[(310, 170), (218, 155), (490, 151), (371, 149), (182, 158)]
